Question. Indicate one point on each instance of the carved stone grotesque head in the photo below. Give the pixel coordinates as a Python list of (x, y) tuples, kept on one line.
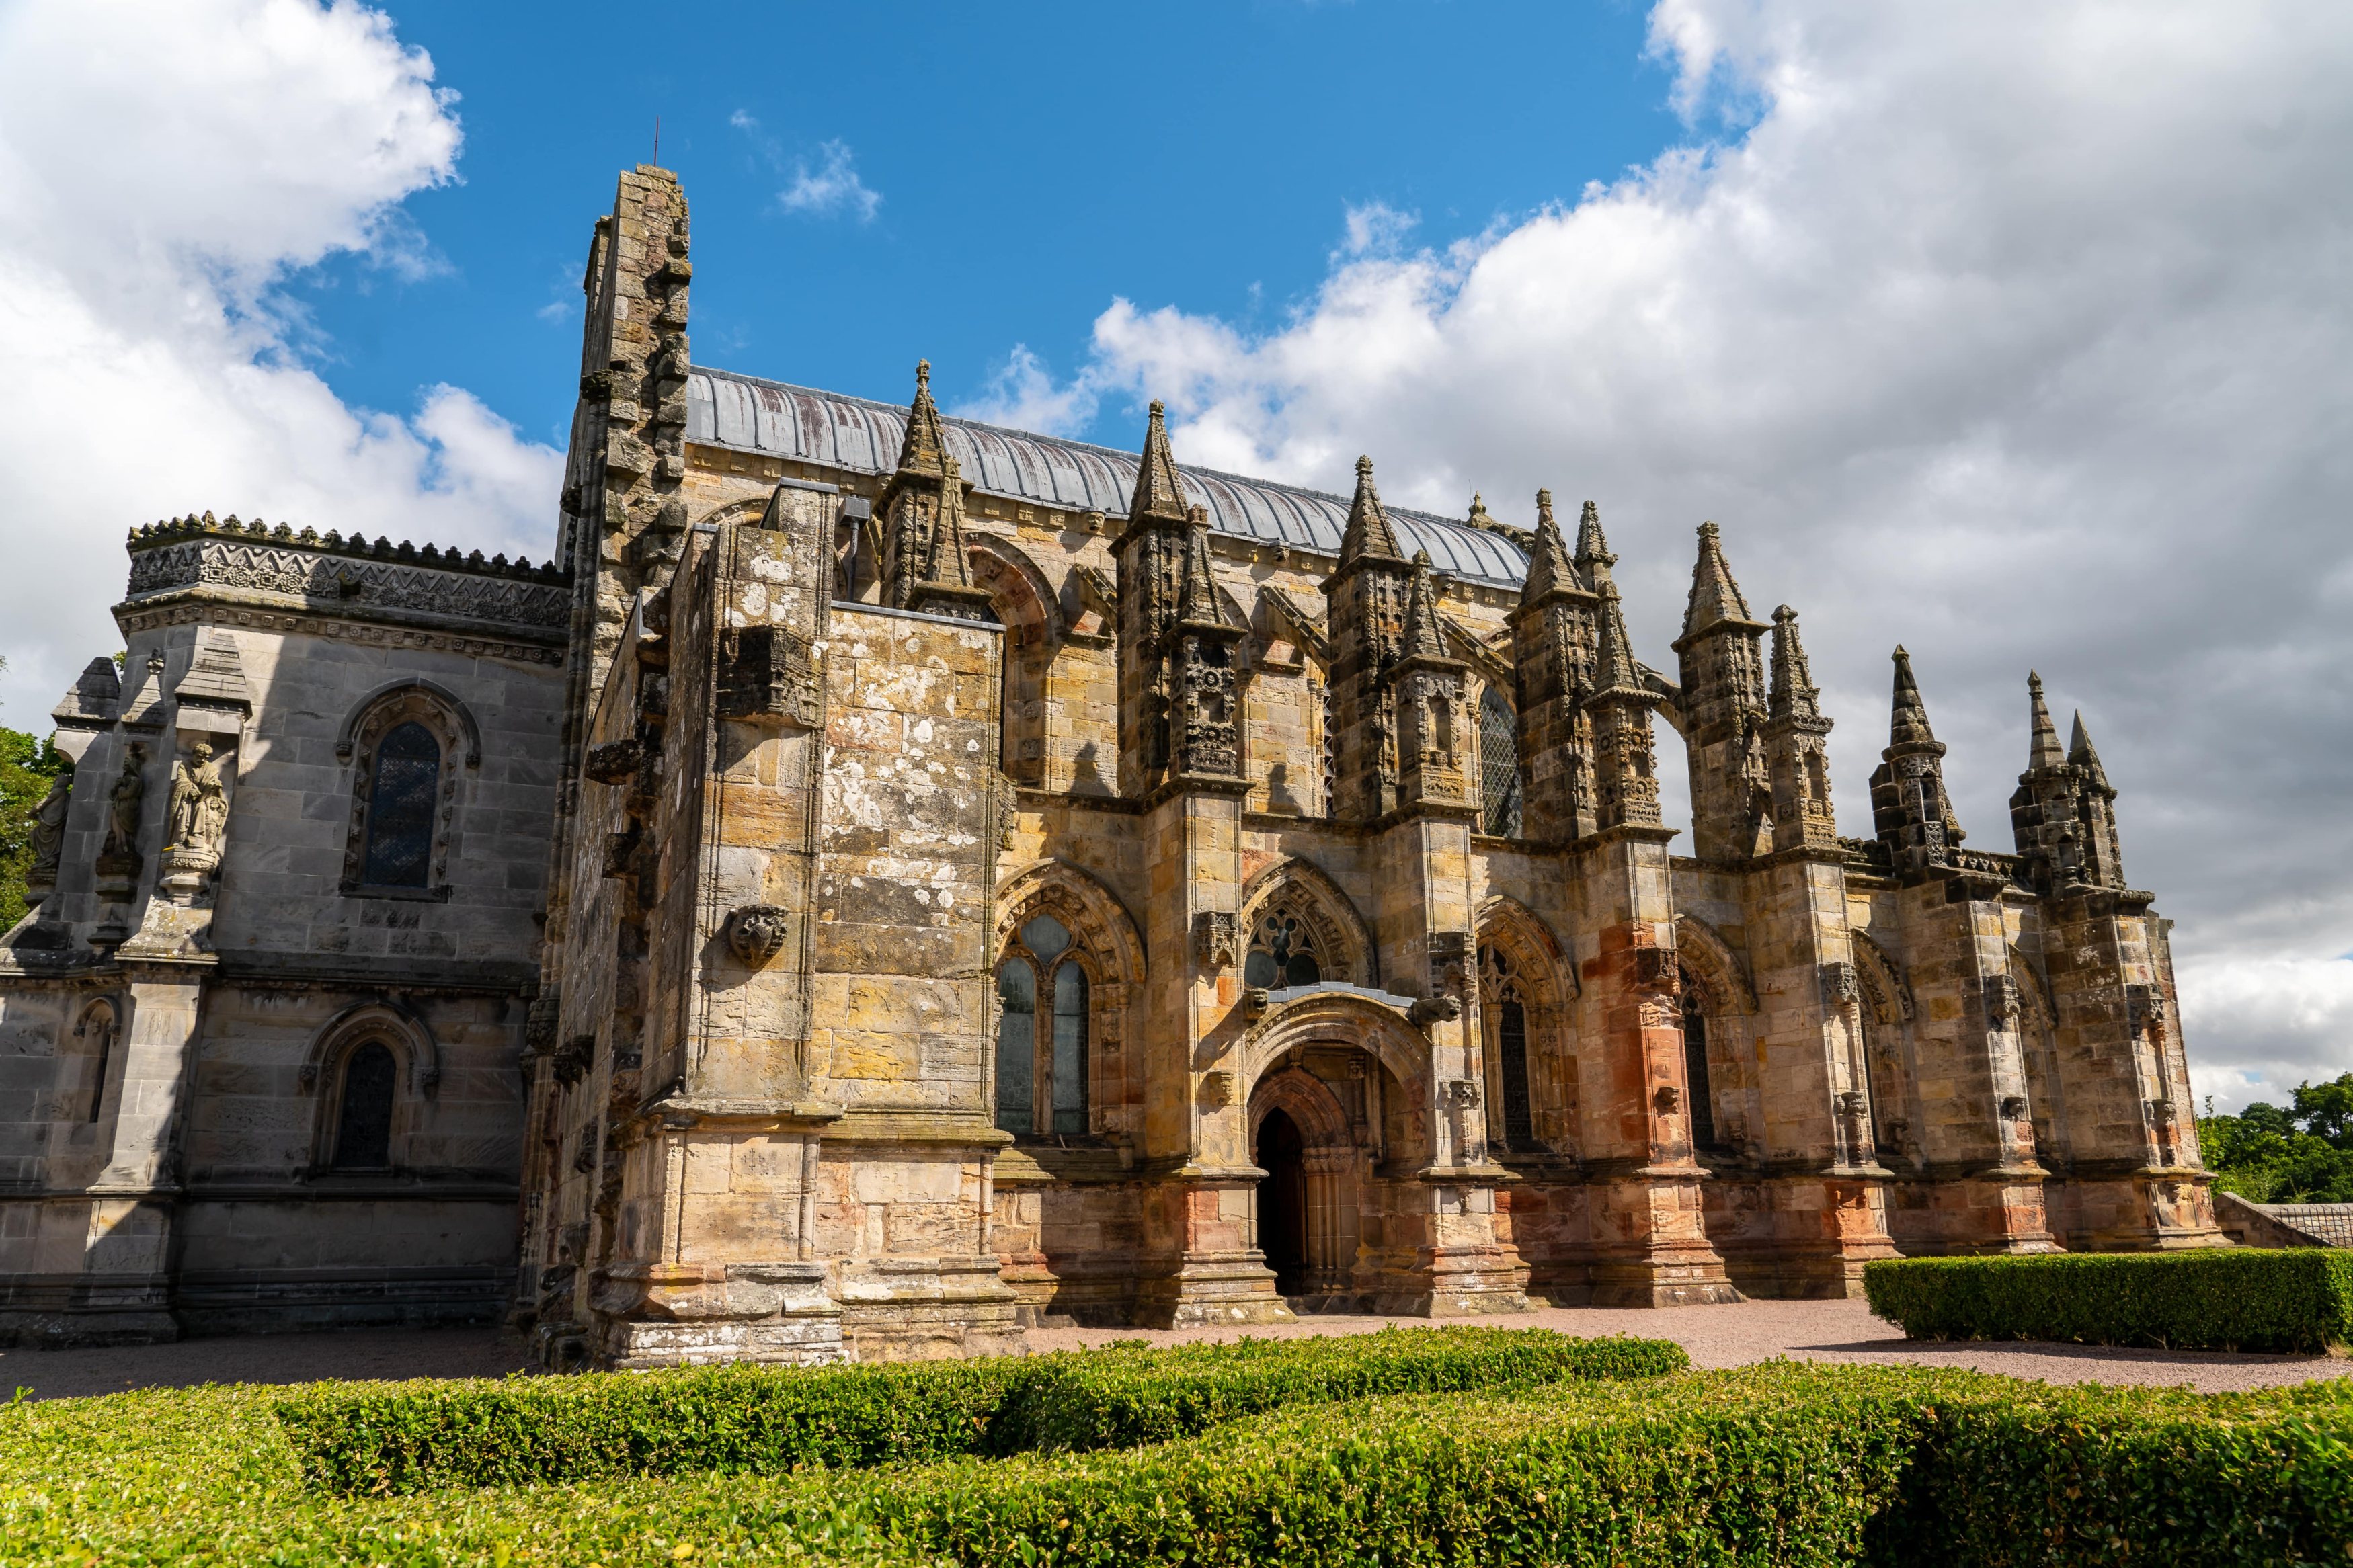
[(755, 932)]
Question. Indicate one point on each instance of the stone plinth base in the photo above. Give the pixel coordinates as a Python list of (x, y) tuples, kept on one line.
[(2151, 1210), (648, 1315), (928, 1309), (1209, 1289), (76, 1310)]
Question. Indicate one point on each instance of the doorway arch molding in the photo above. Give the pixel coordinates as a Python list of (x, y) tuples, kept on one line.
[(1337, 1018)]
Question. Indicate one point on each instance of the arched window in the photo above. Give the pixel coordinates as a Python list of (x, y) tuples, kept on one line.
[(1499, 766), (1282, 953), (97, 1027), (1511, 1029), (1058, 1079), (1703, 1097), (1069, 1048), (401, 800), (363, 1120)]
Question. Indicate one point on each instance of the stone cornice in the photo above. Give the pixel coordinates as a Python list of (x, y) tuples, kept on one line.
[(429, 589)]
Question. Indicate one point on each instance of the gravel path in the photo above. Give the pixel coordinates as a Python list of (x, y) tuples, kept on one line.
[(1715, 1336)]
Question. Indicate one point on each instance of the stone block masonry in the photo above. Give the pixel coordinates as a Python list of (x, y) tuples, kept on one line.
[(895, 882)]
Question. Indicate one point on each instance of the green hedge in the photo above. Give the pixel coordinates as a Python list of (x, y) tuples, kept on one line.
[(2224, 1298), (387, 1438), (1781, 1464)]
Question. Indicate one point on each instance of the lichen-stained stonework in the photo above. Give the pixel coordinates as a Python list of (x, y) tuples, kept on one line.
[(894, 881)]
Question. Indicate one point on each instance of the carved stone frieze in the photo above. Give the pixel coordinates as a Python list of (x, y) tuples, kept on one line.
[(334, 582)]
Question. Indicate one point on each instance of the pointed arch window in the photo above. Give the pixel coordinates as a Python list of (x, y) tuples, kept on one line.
[(406, 744), (1042, 994), (1703, 1095), (1499, 766), (364, 1116), (1510, 1024), (401, 800)]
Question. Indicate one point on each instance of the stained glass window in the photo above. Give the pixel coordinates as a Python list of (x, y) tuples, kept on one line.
[(401, 800)]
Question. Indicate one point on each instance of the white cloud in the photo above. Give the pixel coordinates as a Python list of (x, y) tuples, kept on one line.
[(1022, 395), (832, 187), (2014, 331), (165, 167)]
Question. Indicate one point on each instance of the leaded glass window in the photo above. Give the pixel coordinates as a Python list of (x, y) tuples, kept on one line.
[(1017, 1047), (1069, 1048), (1499, 765), (1042, 1033), (402, 796)]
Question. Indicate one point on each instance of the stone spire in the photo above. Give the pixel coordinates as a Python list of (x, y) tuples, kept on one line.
[(1616, 672), (1430, 693), (1625, 764), (1549, 571), (1721, 657), (1198, 603), (1715, 596), (1910, 810), (2080, 753), (1158, 588), (922, 565), (949, 566), (1422, 637), (2042, 747), (1552, 659), (1159, 493), (1794, 693), (1909, 726), (1796, 756), (1368, 535), (1593, 557), (924, 448), (2063, 813)]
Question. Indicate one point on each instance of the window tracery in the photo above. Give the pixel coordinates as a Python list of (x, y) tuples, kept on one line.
[(1507, 1009), (1042, 1091), (1282, 953), (406, 746)]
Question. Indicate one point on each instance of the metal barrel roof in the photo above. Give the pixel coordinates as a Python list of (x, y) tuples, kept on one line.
[(802, 425)]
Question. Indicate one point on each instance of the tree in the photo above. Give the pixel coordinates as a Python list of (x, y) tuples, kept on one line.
[(27, 766), (2302, 1153)]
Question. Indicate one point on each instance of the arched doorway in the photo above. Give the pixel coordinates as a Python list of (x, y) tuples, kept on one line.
[(1280, 1150)]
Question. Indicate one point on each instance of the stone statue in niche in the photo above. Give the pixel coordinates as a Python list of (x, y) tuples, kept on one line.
[(199, 804), (49, 830), (122, 803)]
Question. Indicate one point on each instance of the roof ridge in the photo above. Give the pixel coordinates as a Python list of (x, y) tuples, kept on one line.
[(900, 410)]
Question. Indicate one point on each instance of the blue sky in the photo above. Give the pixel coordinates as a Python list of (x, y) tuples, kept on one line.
[(1031, 163)]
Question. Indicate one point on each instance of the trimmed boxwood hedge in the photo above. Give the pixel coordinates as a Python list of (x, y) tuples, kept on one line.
[(385, 1437), (2240, 1298), (1783, 1464)]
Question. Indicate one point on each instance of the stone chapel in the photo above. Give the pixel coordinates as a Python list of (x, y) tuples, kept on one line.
[(891, 881)]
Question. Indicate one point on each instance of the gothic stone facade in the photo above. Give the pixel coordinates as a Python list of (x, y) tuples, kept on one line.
[(896, 881)]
